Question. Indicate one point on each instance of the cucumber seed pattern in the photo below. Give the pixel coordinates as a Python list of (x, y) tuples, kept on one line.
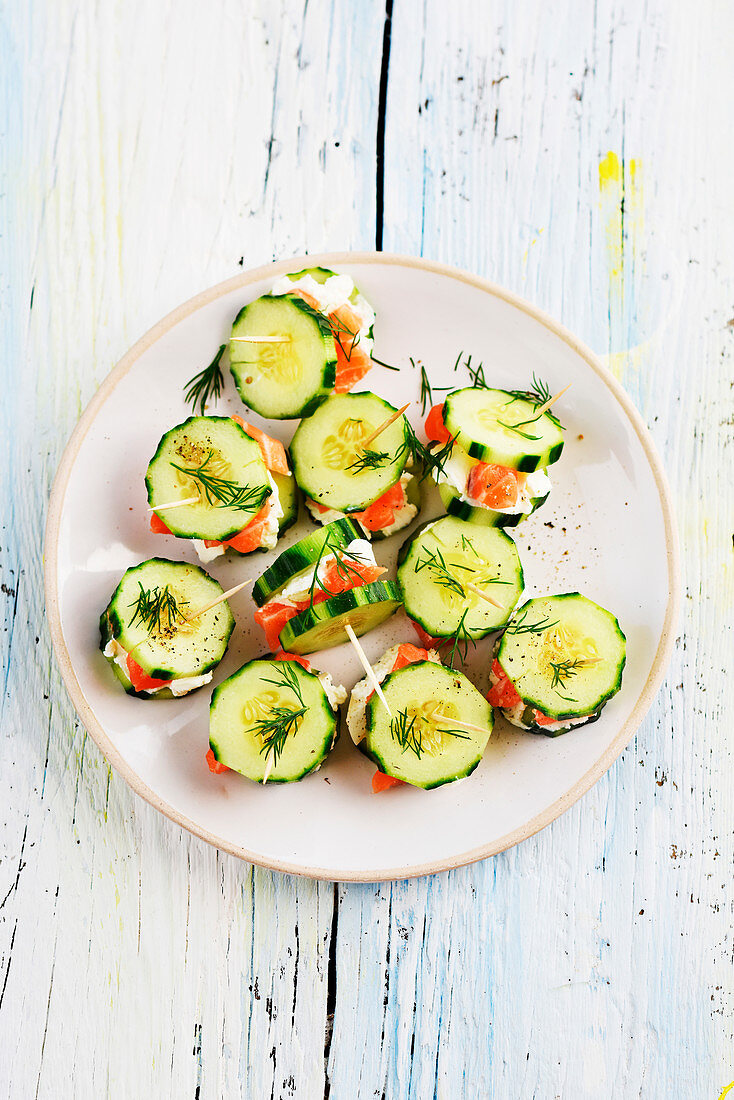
[(342, 448)]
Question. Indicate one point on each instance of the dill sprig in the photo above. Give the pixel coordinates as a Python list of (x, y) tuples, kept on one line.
[(435, 562), (565, 670), (408, 732), (343, 559), (435, 461), (276, 730), (282, 720), (538, 394), (339, 329), (520, 625), (380, 363), (206, 385), (517, 428), (459, 641), (369, 460), (157, 609), (426, 394), (476, 374), (288, 679), (221, 492)]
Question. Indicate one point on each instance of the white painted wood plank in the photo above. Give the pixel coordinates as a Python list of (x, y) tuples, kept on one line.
[(150, 149), (147, 149), (594, 960)]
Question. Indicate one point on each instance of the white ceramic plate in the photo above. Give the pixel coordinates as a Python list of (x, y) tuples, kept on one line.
[(607, 530)]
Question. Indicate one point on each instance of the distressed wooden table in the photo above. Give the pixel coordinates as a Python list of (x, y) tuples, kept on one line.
[(581, 155)]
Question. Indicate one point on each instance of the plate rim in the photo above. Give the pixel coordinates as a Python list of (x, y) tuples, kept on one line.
[(96, 730)]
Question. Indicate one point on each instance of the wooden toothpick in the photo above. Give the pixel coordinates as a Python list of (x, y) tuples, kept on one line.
[(378, 431), (480, 592), (367, 666), (551, 401), (219, 599), (174, 504)]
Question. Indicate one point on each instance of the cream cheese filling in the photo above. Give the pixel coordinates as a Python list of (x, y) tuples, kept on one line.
[(270, 530), (181, 685), (457, 469)]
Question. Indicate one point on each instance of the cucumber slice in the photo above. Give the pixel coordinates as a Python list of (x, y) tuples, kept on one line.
[(250, 695), (328, 443), (173, 649), (429, 755), (223, 454), (565, 655), (290, 499), (323, 625), (285, 379), (318, 274), (301, 557), (456, 506), (440, 558), (482, 421)]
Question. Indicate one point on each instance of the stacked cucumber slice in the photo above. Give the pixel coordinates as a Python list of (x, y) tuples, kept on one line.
[(342, 470), (437, 726), (159, 632), (314, 589), (282, 356), (500, 437), (273, 721), (454, 576), (211, 464)]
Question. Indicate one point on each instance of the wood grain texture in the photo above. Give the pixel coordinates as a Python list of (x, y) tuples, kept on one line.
[(579, 155)]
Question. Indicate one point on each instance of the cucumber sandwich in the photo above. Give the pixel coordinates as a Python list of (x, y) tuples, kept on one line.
[(458, 578), (496, 472), (159, 631), (222, 483), (313, 589), (311, 336), (557, 664), (341, 474), (438, 725), (273, 720)]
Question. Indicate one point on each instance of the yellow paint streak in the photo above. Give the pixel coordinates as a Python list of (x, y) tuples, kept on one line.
[(622, 213), (727, 1090)]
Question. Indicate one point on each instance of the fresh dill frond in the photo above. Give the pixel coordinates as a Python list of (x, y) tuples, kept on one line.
[(467, 544), (565, 670), (276, 729), (282, 721), (221, 492), (344, 560), (435, 461), (478, 380), (538, 394), (288, 679), (426, 394), (206, 385), (407, 732), (517, 428), (380, 363), (369, 460), (435, 562), (158, 610), (418, 453), (520, 625), (340, 329), (459, 641)]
